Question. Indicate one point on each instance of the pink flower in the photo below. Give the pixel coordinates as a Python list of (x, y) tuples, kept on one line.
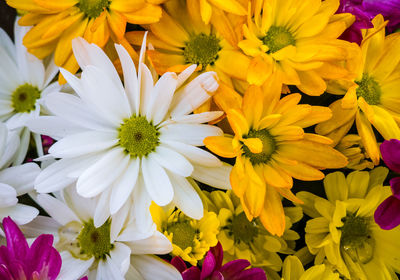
[(41, 261), (387, 215), (213, 269)]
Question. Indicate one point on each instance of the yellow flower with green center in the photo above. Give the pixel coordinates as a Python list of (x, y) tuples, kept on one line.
[(181, 38), (56, 23), (296, 42), (372, 97), (191, 239), (342, 230), (271, 148), (242, 239), (293, 270)]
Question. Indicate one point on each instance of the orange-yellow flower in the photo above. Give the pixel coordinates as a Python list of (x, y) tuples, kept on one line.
[(271, 148)]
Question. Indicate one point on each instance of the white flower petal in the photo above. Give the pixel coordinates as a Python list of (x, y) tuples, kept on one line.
[(158, 243), (54, 127), (102, 174), (133, 274), (119, 221), (120, 255), (123, 187), (3, 135), (10, 78), (185, 74), (152, 267), (41, 225), (146, 87), (51, 71), (73, 268), (25, 136), (102, 211), (108, 269), (20, 213), (173, 161), (57, 209), (156, 180), (83, 207), (8, 195), (5, 107), (20, 177), (10, 151), (217, 177), (194, 154), (192, 134), (195, 118), (7, 44)]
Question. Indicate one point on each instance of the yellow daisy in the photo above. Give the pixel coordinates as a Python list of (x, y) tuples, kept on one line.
[(181, 38), (191, 239), (297, 42), (56, 23), (271, 147), (294, 270), (342, 230), (351, 146), (372, 97)]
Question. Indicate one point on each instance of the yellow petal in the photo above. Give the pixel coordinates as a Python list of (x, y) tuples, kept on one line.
[(317, 115), (336, 187), (124, 6), (148, 14), (269, 121), (233, 63), (252, 105), (227, 98), (302, 171), (311, 83), (27, 5), (255, 145), (230, 6), (205, 11), (259, 70), (238, 122), (275, 178), (384, 123), (287, 193), (367, 137), (56, 5), (349, 101), (272, 215), (117, 23), (163, 62), (237, 176), (220, 145)]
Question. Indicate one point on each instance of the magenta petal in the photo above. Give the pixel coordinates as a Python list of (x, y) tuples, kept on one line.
[(179, 264), (218, 253), (230, 269), (208, 267), (250, 274), (395, 186), (192, 273), (16, 242), (217, 276), (387, 215), (390, 150)]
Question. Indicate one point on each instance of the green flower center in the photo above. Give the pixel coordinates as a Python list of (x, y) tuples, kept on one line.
[(242, 229), (277, 38), (356, 239), (183, 234), (269, 146), (93, 8), (202, 49), (23, 99), (138, 136), (369, 89), (95, 241)]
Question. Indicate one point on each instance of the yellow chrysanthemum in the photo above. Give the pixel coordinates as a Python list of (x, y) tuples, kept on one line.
[(297, 42), (191, 239), (342, 230), (373, 96), (271, 147), (294, 270), (351, 146), (181, 38), (56, 23)]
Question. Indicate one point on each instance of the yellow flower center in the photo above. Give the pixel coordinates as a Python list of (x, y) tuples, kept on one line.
[(277, 38), (95, 241), (269, 146), (202, 49), (138, 136), (23, 99), (93, 8), (242, 229), (183, 234), (356, 239), (369, 89)]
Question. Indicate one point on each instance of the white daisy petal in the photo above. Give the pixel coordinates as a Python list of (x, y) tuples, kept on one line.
[(120, 255), (158, 243), (54, 127), (51, 71), (5, 107), (108, 269), (140, 209), (8, 196), (195, 118), (40, 225), (123, 187), (20, 213), (10, 151), (102, 174), (133, 274), (192, 134), (57, 209), (173, 161), (9, 73), (156, 181), (118, 221), (185, 74), (152, 267), (102, 212), (146, 87), (3, 137), (23, 146), (217, 177), (186, 198), (22, 184), (73, 268), (84, 208), (7, 44)]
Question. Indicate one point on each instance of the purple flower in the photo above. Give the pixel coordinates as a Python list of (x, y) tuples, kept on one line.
[(365, 11), (387, 215), (213, 269), (17, 261)]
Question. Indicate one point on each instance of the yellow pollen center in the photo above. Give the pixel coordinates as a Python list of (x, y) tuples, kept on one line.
[(93, 8), (277, 38), (269, 146)]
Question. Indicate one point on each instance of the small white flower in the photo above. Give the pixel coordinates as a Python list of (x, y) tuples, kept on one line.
[(121, 248), (14, 181), (111, 134), (24, 82)]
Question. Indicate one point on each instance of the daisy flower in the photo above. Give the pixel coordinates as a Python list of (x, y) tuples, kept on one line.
[(55, 24), (40, 261), (24, 83), (191, 239), (271, 147), (297, 42), (342, 230), (14, 181), (352, 147), (120, 248), (109, 134), (372, 96)]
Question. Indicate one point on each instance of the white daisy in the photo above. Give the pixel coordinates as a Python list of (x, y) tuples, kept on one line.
[(14, 181), (24, 82), (110, 133), (121, 248)]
